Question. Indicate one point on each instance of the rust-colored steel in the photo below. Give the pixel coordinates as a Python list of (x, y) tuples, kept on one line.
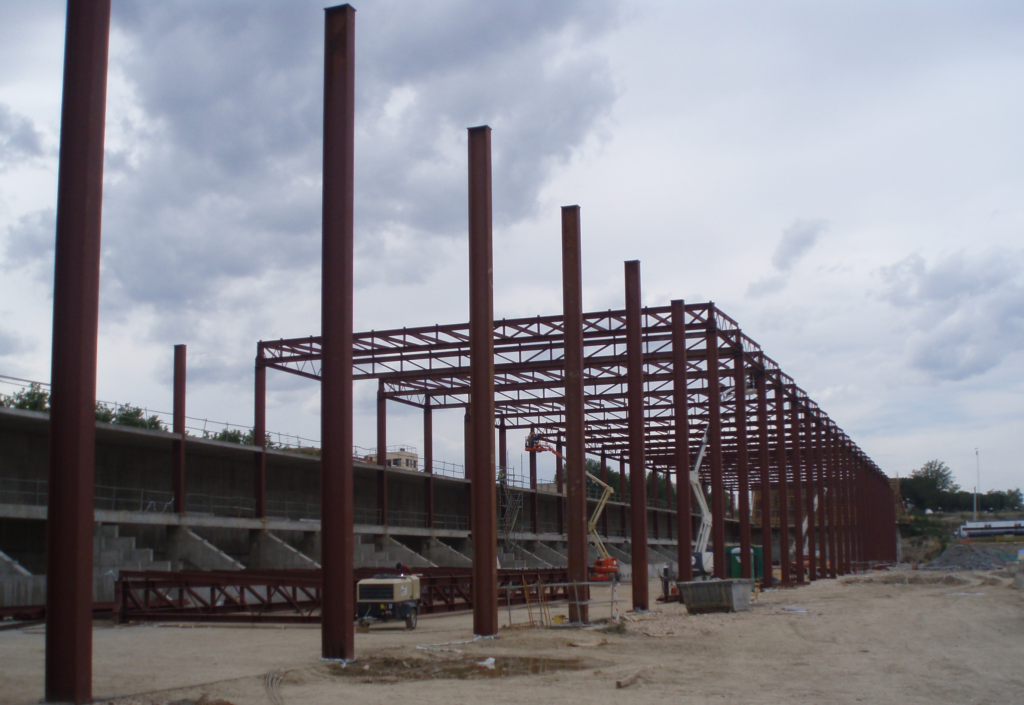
[(782, 463), (259, 435), (575, 441), (560, 487), (534, 509), (714, 397), (502, 443), (76, 292), (799, 488), (681, 429), (637, 462), (742, 463), (765, 479), (382, 453), (825, 556), (481, 345), (832, 504), (337, 548), (428, 463), (604, 479), (810, 536), (178, 428)]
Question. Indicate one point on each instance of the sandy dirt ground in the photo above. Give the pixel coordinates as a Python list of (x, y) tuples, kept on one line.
[(897, 637)]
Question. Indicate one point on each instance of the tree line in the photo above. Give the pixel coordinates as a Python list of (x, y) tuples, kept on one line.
[(932, 487)]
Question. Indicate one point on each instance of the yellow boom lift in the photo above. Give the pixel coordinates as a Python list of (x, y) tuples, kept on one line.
[(605, 567)]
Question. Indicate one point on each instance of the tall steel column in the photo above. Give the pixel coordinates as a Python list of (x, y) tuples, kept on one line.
[(575, 442), (604, 479), (502, 443), (428, 462), (382, 453), (259, 439), (811, 535), (742, 460), (337, 549), (76, 294), (714, 397), (765, 479), (783, 467), (481, 374), (798, 491), (178, 428), (560, 486), (635, 410), (534, 504)]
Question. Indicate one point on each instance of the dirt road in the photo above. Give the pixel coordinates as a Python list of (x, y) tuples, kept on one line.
[(894, 639)]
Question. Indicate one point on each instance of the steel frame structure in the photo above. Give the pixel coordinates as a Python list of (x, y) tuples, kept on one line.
[(692, 354)]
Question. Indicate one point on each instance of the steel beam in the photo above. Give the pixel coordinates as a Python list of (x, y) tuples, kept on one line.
[(76, 292), (714, 396), (637, 479), (481, 345), (178, 428), (782, 465), (576, 465), (742, 462), (259, 439), (765, 479), (428, 463), (338, 628), (382, 453)]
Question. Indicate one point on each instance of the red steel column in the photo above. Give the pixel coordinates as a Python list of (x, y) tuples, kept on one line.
[(655, 514), (382, 453), (635, 411), (742, 461), (575, 442), (502, 444), (178, 428), (428, 462), (798, 488), (76, 293), (807, 449), (534, 502), (765, 479), (714, 395), (825, 557), (560, 486), (783, 469), (604, 478), (828, 468), (336, 514), (259, 440), (481, 351)]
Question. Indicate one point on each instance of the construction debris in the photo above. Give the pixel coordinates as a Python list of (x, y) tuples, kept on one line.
[(967, 557)]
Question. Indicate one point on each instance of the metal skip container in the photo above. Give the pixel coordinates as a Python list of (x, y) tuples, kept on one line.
[(716, 595)]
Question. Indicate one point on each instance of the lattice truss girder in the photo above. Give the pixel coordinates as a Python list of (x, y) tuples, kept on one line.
[(430, 366)]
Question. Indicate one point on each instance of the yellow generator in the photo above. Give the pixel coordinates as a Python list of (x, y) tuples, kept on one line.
[(388, 596)]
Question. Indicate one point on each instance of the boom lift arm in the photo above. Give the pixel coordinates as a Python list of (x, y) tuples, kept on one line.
[(606, 566)]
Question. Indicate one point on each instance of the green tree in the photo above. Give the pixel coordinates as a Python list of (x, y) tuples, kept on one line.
[(35, 398), (930, 487)]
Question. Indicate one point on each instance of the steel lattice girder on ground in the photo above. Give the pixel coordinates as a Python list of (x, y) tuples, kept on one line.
[(293, 596)]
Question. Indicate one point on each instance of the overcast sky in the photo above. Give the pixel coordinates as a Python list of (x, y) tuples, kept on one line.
[(846, 180)]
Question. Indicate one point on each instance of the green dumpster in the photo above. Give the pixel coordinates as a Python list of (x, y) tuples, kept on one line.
[(733, 554)]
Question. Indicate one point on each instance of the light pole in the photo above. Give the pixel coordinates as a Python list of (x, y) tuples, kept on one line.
[(977, 482)]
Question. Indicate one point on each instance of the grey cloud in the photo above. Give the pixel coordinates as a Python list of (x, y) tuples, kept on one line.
[(19, 139), (11, 343), (797, 241), (226, 182), (967, 311), (30, 243)]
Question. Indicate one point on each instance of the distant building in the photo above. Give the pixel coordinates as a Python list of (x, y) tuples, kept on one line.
[(403, 457)]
